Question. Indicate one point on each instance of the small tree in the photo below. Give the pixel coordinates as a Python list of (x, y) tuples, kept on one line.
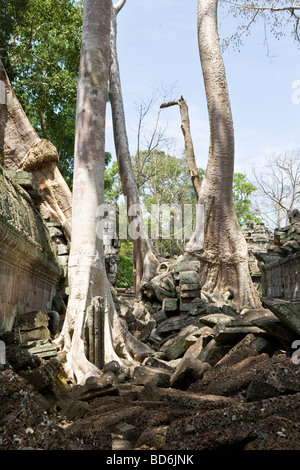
[(279, 187), (243, 192)]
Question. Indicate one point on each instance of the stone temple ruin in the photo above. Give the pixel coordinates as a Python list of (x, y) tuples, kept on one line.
[(34, 256), (33, 275), (237, 370)]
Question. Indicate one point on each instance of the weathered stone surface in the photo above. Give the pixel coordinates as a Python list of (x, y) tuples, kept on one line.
[(170, 305), (148, 374), (42, 333), (205, 336), (154, 362), (187, 266), (287, 312), (214, 319), (24, 423), (153, 437), (175, 347), (213, 352), (29, 271), (163, 286), (41, 348), (181, 399), (250, 426), (95, 387), (73, 409), (276, 329), (279, 376), (20, 359), (240, 326), (125, 431), (189, 371), (31, 320), (189, 293), (229, 333), (234, 372)]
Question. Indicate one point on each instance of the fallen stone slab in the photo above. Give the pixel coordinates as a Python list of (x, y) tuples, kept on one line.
[(73, 409), (213, 352), (31, 320), (147, 374), (188, 371), (125, 431), (154, 362), (175, 324), (95, 387), (214, 319), (287, 311), (41, 348), (187, 266), (176, 398), (170, 305), (175, 347), (20, 359), (205, 336), (36, 334), (240, 326), (276, 329), (279, 376), (232, 333)]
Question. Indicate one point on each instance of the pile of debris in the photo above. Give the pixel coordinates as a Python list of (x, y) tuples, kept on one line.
[(214, 378), (32, 331)]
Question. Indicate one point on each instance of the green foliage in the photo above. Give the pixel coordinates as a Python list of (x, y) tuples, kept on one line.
[(125, 270), (112, 183), (40, 43), (242, 191)]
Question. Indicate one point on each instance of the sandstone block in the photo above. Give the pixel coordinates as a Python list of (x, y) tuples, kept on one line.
[(31, 320)]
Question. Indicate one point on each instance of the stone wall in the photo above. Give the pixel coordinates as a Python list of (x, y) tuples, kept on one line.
[(281, 279), (259, 239), (29, 270), (280, 271)]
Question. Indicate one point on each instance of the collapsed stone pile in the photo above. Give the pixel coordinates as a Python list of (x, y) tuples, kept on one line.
[(214, 379)]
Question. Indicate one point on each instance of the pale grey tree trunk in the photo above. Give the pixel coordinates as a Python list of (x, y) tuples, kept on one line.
[(86, 270), (145, 261), (224, 254)]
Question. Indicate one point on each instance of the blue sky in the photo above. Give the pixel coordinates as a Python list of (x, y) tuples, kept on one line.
[(157, 44)]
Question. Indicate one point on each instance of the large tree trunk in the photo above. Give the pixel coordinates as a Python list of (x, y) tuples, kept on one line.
[(220, 244), (24, 150), (86, 270), (188, 142), (145, 261)]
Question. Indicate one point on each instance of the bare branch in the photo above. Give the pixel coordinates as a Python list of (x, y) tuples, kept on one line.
[(290, 8), (119, 5)]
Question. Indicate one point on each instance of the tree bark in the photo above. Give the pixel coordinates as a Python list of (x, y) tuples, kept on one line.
[(219, 244), (86, 270), (24, 150), (145, 260), (188, 142)]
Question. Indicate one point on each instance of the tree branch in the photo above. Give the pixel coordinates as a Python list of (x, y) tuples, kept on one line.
[(119, 5), (291, 8)]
